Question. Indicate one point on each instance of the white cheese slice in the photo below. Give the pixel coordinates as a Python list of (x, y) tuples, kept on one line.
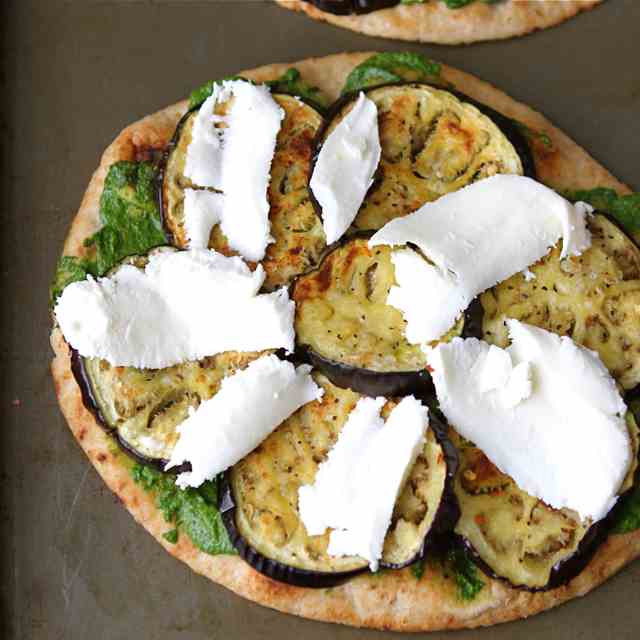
[(356, 487), (473, 239), (202, 211), (233, 154), (183, 306), (545, 411), (248, 407), (345, 167)]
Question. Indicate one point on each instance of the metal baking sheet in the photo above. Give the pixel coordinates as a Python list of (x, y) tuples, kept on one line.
[(74, 563)]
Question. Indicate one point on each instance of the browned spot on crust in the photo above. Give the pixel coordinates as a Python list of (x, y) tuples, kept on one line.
[(82, 433), (101, 457)]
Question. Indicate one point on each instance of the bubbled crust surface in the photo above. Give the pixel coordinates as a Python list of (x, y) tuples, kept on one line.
[(394, 600), (434, 22)]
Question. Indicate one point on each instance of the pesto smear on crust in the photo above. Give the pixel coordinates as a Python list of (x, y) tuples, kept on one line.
[(131, 224)]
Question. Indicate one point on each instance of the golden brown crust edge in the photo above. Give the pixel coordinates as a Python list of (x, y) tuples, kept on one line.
[(435, 22), (391, 601)]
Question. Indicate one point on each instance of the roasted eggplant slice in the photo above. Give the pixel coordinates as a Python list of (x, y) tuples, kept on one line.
[(593, 298), (433, 142), (347, 329), (260, 505), (297, 230), (143, 407), (517, 537)]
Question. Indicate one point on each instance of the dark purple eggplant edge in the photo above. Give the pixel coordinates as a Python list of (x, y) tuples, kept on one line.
[(443, 522), (90, 403), (349, 7)]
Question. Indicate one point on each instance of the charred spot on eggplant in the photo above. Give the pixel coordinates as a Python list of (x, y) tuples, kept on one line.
[(260, 507), (297, 230), (143, 407), (433, 142), (593, 298), (346, 328), (517, 537)]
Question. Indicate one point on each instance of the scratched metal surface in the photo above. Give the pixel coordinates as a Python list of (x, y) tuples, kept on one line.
[(74, 564)]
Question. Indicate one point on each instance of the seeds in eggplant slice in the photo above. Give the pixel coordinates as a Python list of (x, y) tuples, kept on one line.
[(517, 537), (297, 230), (262, 501), (348, 330), (593, 298), (143, 407), (433, 142)]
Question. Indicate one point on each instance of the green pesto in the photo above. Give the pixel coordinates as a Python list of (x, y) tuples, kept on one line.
[(465, 574), (386, 68), (199, 95), (417, 569), (194, 511), (532, 135), (292, 83), (625, 209), (627, 518), (171, 536), (69, 269), (129, 213), (289, 82)]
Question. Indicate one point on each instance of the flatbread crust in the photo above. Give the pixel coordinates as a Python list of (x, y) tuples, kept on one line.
[(434, 22), (394, 600)]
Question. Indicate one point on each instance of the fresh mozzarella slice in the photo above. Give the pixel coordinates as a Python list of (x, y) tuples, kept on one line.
[(248, 407), (545, 411), (356, 488), (345, 167), (233, 154), (473, 239), (202, 211), (184, 305)]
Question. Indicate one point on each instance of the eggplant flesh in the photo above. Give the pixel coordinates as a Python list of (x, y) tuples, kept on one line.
[(298, 234), (346, 328), (593, 298), (517, 537), (261, 501), (433, 142), (142, 408)]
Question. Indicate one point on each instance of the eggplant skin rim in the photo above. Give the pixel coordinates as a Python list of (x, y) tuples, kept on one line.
[(506, 125), (445, 519)]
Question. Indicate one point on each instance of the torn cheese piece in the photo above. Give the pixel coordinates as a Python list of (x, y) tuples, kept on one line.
[(202, 211), (249, 405), (345, 167), (473, 239), (559, 431), (356, 487), (233, 154), (184, 305)]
